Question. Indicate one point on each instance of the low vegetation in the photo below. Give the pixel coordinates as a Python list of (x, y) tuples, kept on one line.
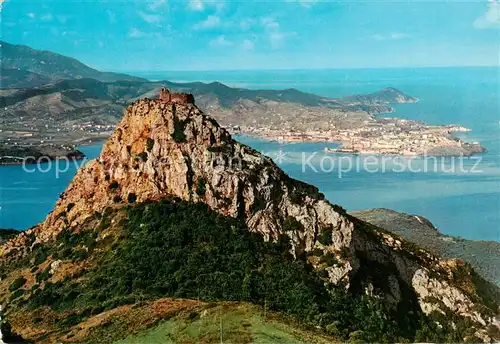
[(178, 135), (228, 322), (150, 144)]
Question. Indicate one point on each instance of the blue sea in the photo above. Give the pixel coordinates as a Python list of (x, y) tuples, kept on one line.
[(463, 202)]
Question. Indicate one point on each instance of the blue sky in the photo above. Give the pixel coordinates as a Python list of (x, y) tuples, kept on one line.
[(294, 34)]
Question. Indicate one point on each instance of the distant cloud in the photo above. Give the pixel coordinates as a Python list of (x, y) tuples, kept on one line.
[(196, 5), (392, 36), (248, 44), (62, 19), (31, 15), (277, 39), (136, 33), (153, 6), (304, 3), (269, 23), (46, 17), (245, 24), (211, 22), (399, 35), (221, 41), (111, 17), (201, 5), (150, 18), (274, 34), (491, 18)]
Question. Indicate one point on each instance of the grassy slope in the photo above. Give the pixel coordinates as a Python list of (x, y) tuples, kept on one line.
[(241, 323)]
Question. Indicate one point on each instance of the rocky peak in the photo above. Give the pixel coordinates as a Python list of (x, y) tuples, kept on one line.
[(168, 147)]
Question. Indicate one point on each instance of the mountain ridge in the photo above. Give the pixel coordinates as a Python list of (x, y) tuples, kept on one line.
[(49, 65)]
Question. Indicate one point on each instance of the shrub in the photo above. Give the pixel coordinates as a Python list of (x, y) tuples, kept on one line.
[(114, 185), (329, 259), (323, 273), (142, 157), (344, 252), (132, 197), (40, 256), (43, 276), (70, 206), (201, 187), (16, 294), (17, 283), (225, 149), (291, 224), (150, 144), (325, 236), (117, 199), (178, 134), (296, 197)]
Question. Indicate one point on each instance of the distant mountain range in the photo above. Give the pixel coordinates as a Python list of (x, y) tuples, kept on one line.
[(86, 96), (26, 68), (23, 66)]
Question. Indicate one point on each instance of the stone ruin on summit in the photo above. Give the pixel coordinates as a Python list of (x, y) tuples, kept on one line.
[(176, 98)]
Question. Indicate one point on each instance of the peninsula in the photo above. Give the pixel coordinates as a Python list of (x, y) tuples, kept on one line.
[(379, 136)]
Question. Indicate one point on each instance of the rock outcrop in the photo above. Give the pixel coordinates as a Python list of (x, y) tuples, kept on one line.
[(166, 147)]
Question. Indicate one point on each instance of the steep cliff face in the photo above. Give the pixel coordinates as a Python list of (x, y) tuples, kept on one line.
[(164, 149)]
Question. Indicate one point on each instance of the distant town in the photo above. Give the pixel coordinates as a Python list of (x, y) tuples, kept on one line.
[(388, 136)]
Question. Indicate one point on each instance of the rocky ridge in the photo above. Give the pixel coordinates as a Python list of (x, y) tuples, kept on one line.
[(164, 149)]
